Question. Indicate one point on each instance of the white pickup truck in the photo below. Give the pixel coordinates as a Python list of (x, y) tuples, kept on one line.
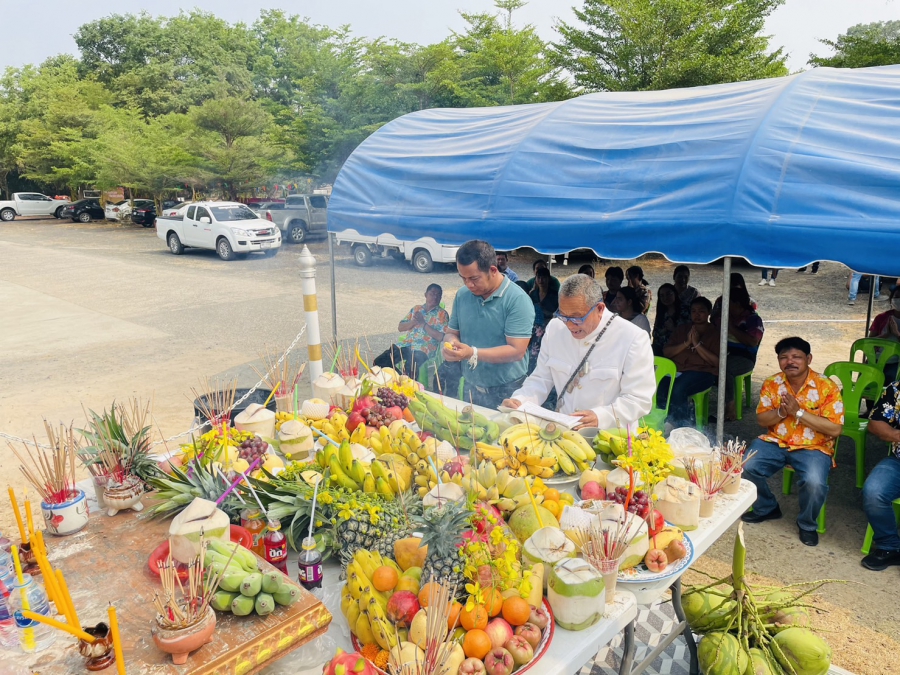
[(422, 253), (228, 228), (31, 204)]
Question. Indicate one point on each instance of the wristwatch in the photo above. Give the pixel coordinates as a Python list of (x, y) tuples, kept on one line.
[(800, 414)]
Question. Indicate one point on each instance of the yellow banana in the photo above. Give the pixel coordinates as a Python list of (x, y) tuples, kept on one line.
[(548, 472), (572, 449), (375, 443), (534, 469)]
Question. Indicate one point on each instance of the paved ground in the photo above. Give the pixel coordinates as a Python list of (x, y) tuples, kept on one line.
[(102, 311)]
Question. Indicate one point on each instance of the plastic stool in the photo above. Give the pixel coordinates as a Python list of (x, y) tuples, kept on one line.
[(742, 390), (867, 544), (701, 408), (786, 489)]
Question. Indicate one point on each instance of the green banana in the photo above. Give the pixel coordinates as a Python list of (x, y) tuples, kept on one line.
[(252, 584), (271, 582), (242, 605), (287, 595), (339, 477), (221, 601), (231, 581), (383, 488), (265, 604)]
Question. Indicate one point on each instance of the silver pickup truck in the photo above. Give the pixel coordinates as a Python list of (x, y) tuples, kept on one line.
[(300, 216)]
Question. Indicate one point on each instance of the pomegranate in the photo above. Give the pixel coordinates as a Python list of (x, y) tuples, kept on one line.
[(472, 666), (539, 617), (499, 631), (519, 648), (499, 662), (531, 633), (402, 607), (656, 560)]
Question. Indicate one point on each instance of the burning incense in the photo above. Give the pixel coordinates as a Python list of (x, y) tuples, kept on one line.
[(438, 647), (732, 457), (51, 472), (708, 476)]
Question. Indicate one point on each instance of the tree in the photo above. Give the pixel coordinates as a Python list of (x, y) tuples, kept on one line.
[(634, 45), (9, 132), (863, 45)]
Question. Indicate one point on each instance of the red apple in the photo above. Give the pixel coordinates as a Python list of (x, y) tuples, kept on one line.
[(499, 631), (353, 421), (539, 617), (402, 607), (531, 633), (499, 662), (520, 649), (472, 666), (593, 490)]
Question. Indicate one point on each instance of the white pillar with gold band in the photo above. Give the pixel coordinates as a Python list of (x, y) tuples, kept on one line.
[(311, 308)]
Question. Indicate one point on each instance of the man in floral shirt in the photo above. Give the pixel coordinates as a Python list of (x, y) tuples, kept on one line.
[(883, 484), (424, 327), (803, 413)]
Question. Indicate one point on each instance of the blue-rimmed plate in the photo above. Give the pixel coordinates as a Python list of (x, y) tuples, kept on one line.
[(641, 575)]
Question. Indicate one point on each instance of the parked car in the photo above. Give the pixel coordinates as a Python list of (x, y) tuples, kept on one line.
[(228, 228), (260, 208), (301, 216), (121, 210), (31, 204), (83, 211), (145, 215), (422, 253)]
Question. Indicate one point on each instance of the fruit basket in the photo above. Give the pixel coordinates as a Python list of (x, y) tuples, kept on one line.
[(543, 645)]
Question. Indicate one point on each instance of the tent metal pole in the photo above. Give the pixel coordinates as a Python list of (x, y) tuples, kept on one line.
[(333, 290), (723, 351), (870, 305)]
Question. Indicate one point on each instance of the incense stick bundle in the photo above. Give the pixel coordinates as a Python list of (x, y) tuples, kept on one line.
[(286, 373), (708, 476), (51, 472), (438, 647), (732, 457), (217, 401), (600, 543)]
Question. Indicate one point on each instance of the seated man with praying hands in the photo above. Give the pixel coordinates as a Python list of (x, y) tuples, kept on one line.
[(804, 414)]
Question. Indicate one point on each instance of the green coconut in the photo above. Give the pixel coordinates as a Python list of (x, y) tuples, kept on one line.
[(802, 652), (707, 611), (788, 617), (576, 593), (524, 522), (759, 663), (722, 654), (548, 546)]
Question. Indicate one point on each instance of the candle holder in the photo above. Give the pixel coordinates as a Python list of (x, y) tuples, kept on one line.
[(100, 653), (28, 560)]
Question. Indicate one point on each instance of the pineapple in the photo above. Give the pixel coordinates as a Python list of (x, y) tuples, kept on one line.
[(174, 493), (122, 431), (442, 529)]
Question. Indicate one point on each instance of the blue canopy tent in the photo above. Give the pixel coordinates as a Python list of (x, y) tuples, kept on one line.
[(782, 172)]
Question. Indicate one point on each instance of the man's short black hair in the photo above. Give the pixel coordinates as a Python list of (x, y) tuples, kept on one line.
[(477, 251), (700, 300), (542, 272), (432, 286), (681, 268), (615, 273), (793, 343), (504, 254), (539, 261)]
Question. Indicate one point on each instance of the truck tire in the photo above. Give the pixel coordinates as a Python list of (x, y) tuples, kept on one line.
[(422, 262), (175, 245), (58, 213), (223, 248), (297, 233), (7, 215), (362, 255)]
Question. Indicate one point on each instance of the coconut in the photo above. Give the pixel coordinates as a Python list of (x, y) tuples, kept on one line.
[(201, 515), (381, 376), (327, 385), (721, 654), (548, 545), (256, 419), (576, 593), (802, 652), (524, 521), (619, 478), (296, 440), (442, 493), (678, 500), (315, 409)]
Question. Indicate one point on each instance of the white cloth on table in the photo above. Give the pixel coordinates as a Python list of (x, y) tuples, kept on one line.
[(620, 380)]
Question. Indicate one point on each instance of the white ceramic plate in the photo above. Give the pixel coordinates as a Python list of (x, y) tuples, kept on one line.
[(640, 574)]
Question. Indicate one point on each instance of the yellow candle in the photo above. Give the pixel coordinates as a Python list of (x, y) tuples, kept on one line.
[(117, 640), (71, 614), (28, 635), (15, 505), (45, 572), (53, 623), (29, 518)]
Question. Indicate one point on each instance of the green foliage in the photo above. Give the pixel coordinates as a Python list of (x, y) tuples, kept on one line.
[(634, 45), (863, 45)]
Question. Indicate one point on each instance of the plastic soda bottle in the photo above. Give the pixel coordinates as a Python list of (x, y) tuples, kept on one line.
[(252, 520), (310, 562), (275, 545), (9, 633)]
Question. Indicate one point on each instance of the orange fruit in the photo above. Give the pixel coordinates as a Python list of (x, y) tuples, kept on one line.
[(453, 615), (477, 618), (425, 592), (476, 644), (551, 494), (516, 611), (385, 578), (493, 601), (553, 507)]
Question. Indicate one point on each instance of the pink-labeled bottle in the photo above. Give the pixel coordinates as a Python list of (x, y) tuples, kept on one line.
[(275, 546)]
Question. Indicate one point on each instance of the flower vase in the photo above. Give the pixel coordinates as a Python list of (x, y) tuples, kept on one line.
[(734, 485), (708, 505), (67, 517), (181, 642)]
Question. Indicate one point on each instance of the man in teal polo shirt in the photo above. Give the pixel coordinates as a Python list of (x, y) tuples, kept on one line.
[(490, 327)]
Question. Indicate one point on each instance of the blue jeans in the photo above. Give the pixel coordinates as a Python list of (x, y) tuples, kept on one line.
[(854, 286), (765, 273), (812, 469), (686, 384), (883, 487)]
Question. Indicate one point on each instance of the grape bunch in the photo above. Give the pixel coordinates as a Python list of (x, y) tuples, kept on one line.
[(640, 501), (252, 448), (390, 398), (377, 416)]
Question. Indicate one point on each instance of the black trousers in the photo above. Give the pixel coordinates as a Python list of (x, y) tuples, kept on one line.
[(412, 359)]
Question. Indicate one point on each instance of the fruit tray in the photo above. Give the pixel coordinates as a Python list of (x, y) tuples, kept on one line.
[(640, 573), (542, 647)]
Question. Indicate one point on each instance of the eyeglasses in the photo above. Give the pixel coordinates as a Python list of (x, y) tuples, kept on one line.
[(574, 320)]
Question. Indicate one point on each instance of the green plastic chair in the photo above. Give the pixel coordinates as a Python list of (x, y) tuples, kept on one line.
[(868, 380), (701, 408), (867, 544), (664, 368), (876, 352), (742, 390)]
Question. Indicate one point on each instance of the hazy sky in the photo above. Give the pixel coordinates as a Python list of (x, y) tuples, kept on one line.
[(33, 32)]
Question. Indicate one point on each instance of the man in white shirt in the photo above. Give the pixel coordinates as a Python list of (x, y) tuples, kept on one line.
[(614, 386)]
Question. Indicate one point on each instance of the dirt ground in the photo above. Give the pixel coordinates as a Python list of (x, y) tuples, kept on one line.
[(103, 311)]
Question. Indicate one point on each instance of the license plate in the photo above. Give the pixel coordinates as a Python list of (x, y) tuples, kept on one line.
[(266, 245)]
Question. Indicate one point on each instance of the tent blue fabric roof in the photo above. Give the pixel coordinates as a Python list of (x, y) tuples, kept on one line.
[(782, 172)]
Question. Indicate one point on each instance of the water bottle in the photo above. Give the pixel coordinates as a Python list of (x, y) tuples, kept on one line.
[(33, 636), (9, 634)]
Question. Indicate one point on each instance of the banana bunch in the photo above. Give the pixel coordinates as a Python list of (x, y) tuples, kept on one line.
[(535, 446), (519, 462), (243, 589), (610, 443), (463, 429), (398, 439), (388, 475), (502, 488), (282, 417), (333, 427), (364, 607)]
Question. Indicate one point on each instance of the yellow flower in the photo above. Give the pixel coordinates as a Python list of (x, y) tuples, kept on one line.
[(325, 498)]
